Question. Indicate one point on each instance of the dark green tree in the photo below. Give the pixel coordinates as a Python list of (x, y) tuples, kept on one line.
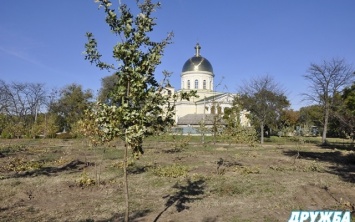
[(264, 99), (345, 111), (137, 106), (107, 88), (70, 106), (349, 98)]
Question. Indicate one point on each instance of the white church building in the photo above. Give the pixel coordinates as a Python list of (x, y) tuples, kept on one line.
[(197, 74)]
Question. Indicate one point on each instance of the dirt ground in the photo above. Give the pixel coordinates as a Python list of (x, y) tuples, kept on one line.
[(66, 180)]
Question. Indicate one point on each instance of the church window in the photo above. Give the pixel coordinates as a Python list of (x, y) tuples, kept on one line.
[(188, 84), (204, 84), (196, 84)]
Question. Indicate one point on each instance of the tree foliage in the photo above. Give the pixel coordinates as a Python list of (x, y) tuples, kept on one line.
[(107, 87), (349, 98), (325, 81), (343, 121), (234, 132), (288, 120), (310, 116), (264, 99), (70, 105)]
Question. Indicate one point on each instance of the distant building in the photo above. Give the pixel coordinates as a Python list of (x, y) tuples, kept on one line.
[(197, 74)]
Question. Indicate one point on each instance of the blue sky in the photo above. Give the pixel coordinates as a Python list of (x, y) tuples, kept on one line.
[(42, 41)]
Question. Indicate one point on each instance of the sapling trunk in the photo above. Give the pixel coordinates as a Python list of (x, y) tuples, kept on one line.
[(125, 165)]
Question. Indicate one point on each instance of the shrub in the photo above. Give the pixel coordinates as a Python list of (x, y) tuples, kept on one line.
[(65, 136), (20, 164), (85, 180), (174, 171)]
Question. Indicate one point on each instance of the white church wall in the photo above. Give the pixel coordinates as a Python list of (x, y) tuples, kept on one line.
[(183, 109), (200, 76)]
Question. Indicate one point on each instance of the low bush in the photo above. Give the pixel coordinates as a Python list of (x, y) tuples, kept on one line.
[(174, 171)]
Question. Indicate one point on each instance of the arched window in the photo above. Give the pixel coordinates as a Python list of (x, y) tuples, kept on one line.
[(204, 84), (196, 84), (188, 84)]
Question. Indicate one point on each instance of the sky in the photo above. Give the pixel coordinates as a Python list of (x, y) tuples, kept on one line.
[(43, 41)]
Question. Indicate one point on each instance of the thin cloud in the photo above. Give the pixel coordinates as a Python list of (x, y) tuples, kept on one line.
[(21, 55), (23, 46)]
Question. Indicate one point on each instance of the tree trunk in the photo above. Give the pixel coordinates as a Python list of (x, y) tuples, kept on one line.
[(325, 128), (125, 165), (262, 133)]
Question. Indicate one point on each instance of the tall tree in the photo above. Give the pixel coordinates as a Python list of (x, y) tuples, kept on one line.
[(137, 107), (264, 99), (70, 106), (325, 81)]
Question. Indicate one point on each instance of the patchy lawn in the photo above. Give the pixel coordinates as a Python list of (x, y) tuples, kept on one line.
[(66, 180)]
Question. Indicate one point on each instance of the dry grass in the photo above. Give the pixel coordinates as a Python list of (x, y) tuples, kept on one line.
[(66, 180)]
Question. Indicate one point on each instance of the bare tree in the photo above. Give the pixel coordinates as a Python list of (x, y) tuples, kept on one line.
[(36, 97), (21, 99), (325, 80), (264, 99), (20, 104)]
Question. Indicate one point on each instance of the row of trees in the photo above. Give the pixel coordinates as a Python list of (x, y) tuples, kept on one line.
[(30, 110), (331, 90)]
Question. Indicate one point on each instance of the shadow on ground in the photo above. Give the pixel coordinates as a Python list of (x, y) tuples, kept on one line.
[(339, 146), (75, 165), (343, 165), (184, 194), (134, 216)]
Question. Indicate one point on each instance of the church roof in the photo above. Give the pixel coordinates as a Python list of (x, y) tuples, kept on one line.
[(196, 119), (197, 62), (218, 97)]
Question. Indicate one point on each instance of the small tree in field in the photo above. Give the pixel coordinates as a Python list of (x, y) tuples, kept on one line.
[(135, 106)]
